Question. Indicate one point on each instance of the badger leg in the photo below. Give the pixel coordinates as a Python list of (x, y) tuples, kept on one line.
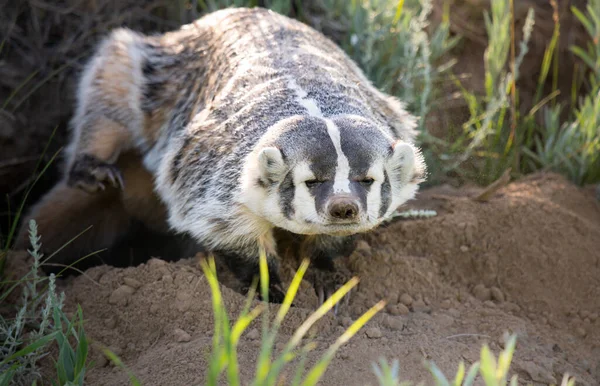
[(108, 119), (246, 269), (63, 216), (322, 251)]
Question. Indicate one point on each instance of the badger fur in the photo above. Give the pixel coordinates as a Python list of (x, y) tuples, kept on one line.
[(248, 122)]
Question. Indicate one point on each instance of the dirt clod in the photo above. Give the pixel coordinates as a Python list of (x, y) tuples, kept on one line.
[(121, 295), (481, 293), (181, 336), (394, 323), (406, 299), (497, 294), (373, 332), (132, 282)]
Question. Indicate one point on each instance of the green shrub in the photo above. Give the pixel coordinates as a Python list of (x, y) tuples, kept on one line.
[(39, 321)]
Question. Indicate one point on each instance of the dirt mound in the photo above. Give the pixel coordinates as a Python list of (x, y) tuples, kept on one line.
[(527, 261)]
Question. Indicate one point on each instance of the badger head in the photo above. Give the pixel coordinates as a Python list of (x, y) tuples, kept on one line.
[(338, 176)]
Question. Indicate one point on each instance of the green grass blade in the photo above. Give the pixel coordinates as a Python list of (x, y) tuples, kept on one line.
[(317, 372)]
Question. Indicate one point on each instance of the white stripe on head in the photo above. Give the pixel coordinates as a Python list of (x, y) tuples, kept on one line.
[(342, 172), (341, 183), (308, 103)]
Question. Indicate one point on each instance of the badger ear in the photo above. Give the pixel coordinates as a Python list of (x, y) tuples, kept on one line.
[(271, 164), (401, 163)]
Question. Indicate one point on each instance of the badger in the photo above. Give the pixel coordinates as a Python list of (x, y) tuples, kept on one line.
[(240, 124)]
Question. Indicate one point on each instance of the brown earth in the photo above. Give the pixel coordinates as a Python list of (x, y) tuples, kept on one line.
[(527, 261)]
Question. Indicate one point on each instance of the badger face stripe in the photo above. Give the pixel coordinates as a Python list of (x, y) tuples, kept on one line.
[(286, 196), (342, 172), (386, 193)]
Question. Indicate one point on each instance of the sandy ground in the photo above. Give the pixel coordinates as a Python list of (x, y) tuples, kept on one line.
[(528, 262)]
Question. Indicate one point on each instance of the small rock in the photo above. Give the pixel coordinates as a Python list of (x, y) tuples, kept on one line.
[(167, 279), (343, 355), (395, 324), (346, 321), (101, 361), (512, 307), (181, 336), (446, 304), (538, 373), (110, 322), (593, 316), (156, 262), (154, 308), (373, 333), (482, 293), (132, 282), (584, 314), (363, 247), (489, 303), (399, 309), (497, 294), (392, 298), (464, 248), (581, 332), (420, 306), (121, 295), (406, 299), (253, 334)]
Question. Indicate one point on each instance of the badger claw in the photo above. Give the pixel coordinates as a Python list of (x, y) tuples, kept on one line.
[(325, 284), (92, 175)]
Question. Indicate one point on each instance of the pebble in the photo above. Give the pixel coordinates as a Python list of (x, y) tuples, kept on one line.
[(406, 299), (464, 248), (110, 322), (167, 279), (181, 336), (481, 293), (399, 309), (101, 361), (593, 317), (121, 295), (420, 306), (154, 308), (394, 324), (373, 332), (508, 306), (489, 303), (346, 321), (156, 262), (133, 283), (446, 304), (253, 334), (497, 294), (581, 332), (364, 247)]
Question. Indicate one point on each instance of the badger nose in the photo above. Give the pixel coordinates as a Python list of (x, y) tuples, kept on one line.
[(343, 208)]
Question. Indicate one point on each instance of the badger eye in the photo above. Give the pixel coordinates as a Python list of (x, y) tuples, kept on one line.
[(367, 181), (312, 183)]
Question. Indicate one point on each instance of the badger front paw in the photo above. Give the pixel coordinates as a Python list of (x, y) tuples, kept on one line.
[(92, 175), (275, 294), (326, 282)]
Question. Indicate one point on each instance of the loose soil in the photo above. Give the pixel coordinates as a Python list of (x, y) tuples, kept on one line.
[(527, 261)]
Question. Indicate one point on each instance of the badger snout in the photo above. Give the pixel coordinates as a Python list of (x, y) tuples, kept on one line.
[(343, 208)]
